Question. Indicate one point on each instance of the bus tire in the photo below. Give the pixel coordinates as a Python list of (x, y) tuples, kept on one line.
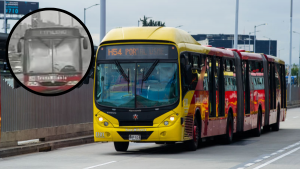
[(229, 129), (192, 145), (275, 127), (121, 146), (159, 142), (257, 131), (266, 128)]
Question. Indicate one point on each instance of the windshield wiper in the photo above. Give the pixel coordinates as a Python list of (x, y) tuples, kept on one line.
[(121, 71), (150, 70), (145, 77)]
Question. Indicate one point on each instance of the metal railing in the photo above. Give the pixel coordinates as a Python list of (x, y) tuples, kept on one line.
[(23, 112)]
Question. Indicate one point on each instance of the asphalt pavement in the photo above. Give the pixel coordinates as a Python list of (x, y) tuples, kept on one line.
[(271, 150)]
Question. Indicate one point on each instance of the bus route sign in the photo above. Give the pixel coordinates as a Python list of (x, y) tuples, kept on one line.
[(18, 7)]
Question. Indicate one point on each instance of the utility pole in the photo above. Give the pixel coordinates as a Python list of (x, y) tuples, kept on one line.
[(236, 24), (102, 19), (5, 21), (290, 67)]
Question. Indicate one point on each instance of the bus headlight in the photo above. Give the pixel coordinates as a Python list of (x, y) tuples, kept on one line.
[(103, 122), (169, 121), (32, 84), (72, 82), (172, 118)]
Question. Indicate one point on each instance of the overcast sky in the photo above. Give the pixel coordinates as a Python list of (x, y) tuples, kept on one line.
[(196, 16)]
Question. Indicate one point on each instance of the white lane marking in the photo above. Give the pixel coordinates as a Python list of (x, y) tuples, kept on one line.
[(273, 154), (279, 151), (249, 164), (99, 165), (256, 161), (295, 117), (266, 157), (240, 168), (277, 158)]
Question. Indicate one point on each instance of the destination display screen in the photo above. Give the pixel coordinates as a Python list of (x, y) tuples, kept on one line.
[(138, 51), (51, 33)]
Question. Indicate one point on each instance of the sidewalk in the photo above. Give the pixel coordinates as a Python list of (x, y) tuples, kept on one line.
[(45, 146)]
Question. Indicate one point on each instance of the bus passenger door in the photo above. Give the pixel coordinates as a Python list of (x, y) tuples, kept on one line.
[(246, 78)]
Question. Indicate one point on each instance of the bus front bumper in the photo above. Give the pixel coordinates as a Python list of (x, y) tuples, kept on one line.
[(49, 89), (153, 134)]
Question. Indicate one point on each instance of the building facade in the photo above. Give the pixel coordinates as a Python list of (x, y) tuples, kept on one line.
[(245, 42)]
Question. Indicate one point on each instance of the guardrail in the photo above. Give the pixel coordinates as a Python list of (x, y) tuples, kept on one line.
[(26, 116), (295, 94)]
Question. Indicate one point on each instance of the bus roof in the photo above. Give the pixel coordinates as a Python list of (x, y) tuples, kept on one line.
[(169, 34), (251, 56), (275, 59)]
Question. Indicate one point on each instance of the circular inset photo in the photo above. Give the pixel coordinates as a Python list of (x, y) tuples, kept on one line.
[(49, 51)]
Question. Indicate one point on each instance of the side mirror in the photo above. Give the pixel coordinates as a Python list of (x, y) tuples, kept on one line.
[(86, 80), (85, 43), (19, 47)]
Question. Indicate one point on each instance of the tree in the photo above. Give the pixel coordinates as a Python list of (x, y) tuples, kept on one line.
[(295, 70), (151, 22)]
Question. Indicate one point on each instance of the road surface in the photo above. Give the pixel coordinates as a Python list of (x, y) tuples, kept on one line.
[(273, 150)]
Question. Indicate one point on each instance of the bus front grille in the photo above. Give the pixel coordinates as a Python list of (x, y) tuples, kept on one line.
[(135, 123), (144, 134), (52, 84)]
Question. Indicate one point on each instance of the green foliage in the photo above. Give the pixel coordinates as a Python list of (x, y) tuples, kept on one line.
[(295, 70), (151, 22)]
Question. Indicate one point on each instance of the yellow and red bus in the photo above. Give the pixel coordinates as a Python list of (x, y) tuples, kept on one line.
[(157, 84)]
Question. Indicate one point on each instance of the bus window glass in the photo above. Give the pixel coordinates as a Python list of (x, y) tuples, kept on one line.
[(40, 58), (160, 88), (64, 54), (115, 85)]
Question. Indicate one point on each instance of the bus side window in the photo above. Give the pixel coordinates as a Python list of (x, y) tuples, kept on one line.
[(194, 58), (183, 63)]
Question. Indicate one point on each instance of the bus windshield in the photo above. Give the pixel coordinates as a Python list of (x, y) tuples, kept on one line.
[(53, 55), (137, 85)]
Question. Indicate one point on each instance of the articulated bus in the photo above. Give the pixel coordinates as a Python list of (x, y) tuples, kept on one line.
[(52, 58), (157, 84)]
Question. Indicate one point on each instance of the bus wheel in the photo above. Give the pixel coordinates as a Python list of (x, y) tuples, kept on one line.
[(266, 128), (229, 131), (192, 145), (159, 142), (257, 131), (121, 146), (275, 127)]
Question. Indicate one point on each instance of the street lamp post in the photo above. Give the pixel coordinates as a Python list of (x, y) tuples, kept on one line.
[(255, 34), (5, 21), (269, 44), (102, 19), (86, 9), (236, 24), (299, 60), (291, 34), (250, 38)]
